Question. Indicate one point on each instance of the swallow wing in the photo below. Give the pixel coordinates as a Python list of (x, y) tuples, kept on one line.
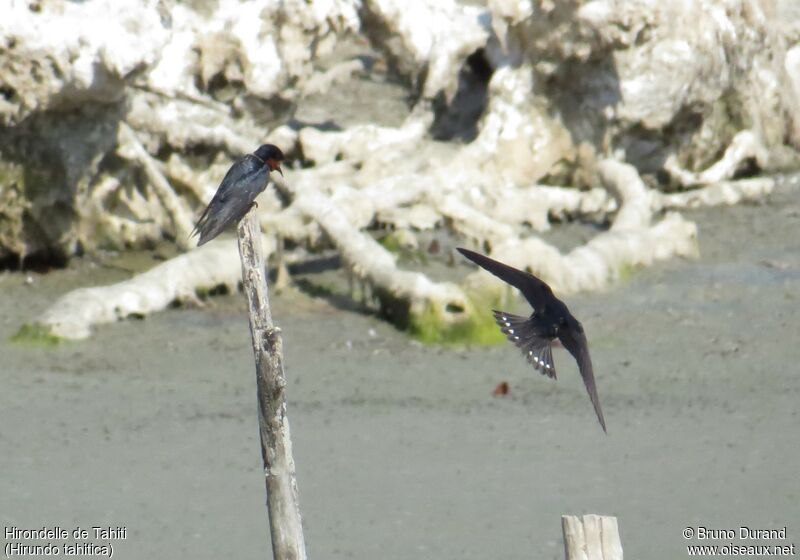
[(535, 291), (574, 340), (245, 180), (238, 170)]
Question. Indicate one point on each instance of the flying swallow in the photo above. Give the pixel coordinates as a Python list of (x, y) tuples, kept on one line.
[(550, 320), (244, 181)]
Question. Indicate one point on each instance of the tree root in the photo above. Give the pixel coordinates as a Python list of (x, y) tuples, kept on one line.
[(410, 298), (631, 241), (744, 146), (538, 204), (604, 259), (403, 295), (178, 279), (179, 214), (724, 193)]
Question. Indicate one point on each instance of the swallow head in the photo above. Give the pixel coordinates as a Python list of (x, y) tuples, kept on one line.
[(271, 155)]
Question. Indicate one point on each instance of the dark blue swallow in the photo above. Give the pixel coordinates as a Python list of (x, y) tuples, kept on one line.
[(244, 181), (550, 320)]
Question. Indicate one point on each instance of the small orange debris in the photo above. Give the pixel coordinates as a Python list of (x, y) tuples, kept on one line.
[(501, 390)]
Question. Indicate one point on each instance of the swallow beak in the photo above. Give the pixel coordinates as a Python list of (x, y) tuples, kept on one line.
[(275, 165)]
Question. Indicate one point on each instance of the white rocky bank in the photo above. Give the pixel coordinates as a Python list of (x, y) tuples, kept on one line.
[(119, 117)]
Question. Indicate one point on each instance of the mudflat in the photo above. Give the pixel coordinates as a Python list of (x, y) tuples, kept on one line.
[(401, 449)]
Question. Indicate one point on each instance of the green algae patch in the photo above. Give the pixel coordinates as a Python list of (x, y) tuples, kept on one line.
[(478, 327), (36, 335), (456, 326), (627, 271), (464, 323)]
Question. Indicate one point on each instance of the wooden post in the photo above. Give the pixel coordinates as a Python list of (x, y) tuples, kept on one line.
[(283, 504), (595, 537)]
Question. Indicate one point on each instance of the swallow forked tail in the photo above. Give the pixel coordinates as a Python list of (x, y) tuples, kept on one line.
[(215, 219), (537, 350), (208, 227)]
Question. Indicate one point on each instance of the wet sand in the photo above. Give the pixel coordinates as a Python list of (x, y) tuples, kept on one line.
[(401, 450)]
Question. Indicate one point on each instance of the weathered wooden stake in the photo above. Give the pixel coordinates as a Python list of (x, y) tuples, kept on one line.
[(276, 444), (595, 537)]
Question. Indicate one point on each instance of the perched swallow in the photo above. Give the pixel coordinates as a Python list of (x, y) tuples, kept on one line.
[(244, 181), (550, 320)]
